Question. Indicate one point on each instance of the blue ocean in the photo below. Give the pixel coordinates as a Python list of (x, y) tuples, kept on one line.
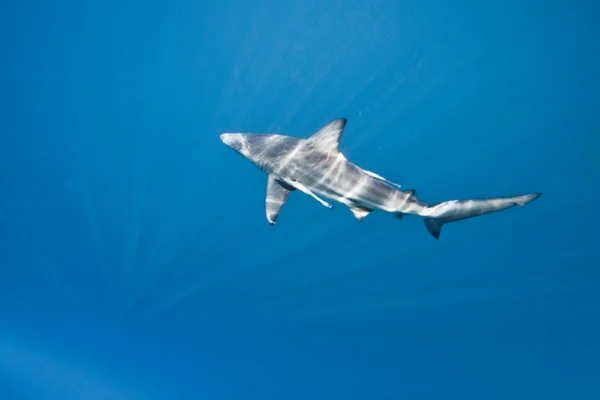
[(136, 261)]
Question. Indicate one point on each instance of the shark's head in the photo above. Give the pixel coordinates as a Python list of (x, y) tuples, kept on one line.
[(264, 150), (258, 148), (237, 141)]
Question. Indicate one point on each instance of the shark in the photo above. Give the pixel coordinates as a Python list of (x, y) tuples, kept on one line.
[(315, 166)]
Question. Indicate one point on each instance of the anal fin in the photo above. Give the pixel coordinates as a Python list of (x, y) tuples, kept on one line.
[(277, 193)]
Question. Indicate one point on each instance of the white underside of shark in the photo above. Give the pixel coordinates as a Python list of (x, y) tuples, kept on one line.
[(316, 167)]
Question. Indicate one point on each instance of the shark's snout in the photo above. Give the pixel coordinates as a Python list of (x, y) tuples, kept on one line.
[(225, 138), (229, 139), (233, 140)]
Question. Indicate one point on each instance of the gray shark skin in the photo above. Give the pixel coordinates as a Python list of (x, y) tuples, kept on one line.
[(317, 167)]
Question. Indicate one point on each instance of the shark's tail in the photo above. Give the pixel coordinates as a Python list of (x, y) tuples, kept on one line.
[(455, 210)]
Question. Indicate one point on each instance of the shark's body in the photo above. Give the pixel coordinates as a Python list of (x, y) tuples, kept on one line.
[(316, 167)]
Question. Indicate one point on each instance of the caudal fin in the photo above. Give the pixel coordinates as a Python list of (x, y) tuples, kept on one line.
[(522, 200), (455, 210), (434, 226)]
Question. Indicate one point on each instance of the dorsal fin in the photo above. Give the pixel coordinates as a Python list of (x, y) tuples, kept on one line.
[(328, 137)]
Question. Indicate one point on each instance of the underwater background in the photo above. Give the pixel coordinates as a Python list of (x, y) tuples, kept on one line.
[(136, 261)]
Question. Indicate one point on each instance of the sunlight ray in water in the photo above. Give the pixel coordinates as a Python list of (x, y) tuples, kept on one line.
[(28, 369), (333, 56), (309, 245), (243, 59), (27, 251)]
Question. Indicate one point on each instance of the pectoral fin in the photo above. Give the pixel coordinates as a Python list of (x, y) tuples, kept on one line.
[(277, 193)]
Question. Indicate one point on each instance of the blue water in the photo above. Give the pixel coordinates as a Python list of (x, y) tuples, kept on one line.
[(136, 261)]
